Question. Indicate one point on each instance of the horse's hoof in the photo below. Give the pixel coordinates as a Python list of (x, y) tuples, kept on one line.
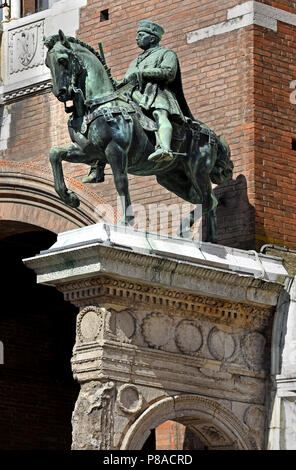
[(73, 200)]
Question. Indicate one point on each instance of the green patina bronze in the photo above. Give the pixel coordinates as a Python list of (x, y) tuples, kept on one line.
[(141, 125)]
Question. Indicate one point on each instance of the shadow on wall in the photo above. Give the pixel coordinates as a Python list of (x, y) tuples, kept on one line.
[(235, 214)]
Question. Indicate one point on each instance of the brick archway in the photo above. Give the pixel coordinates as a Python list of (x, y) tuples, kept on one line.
[(27, 195), (213, 424)]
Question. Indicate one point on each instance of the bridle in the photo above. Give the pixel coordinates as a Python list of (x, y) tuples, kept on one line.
[(76, 69)]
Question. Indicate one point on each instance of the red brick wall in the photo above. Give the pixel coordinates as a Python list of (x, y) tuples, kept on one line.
[(28, 7), (174, 436), (275, 171)]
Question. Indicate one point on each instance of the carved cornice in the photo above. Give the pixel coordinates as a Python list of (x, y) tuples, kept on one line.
[(131, 294), (97, 257), (20, 93)]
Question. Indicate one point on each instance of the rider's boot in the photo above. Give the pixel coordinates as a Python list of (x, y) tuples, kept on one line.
[(96, 174), (163, 151)]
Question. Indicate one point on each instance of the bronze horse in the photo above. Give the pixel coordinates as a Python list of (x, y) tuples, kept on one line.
[(107, 127)]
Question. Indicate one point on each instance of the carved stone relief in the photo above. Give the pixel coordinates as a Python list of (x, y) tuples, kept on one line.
[(157, 329), (188, 337), (221, 345), (129, 398), (125, 325), (212, 436), (93, 417), (26, 48), (253, 350), (254, 418), (89, 324)]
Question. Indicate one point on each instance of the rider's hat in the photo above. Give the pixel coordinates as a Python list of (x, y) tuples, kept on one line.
[(151, 28)]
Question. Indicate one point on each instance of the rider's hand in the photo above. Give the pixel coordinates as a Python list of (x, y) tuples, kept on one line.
[(133, 77)]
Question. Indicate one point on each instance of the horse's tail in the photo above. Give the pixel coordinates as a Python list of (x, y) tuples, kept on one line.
[(223, 168)]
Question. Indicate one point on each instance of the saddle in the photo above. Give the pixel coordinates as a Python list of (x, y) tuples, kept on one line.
[(96, 108)]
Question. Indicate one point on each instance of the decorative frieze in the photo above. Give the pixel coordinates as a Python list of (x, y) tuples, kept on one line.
[(222, 345), (99, 327), (20, 93), (105, 290)]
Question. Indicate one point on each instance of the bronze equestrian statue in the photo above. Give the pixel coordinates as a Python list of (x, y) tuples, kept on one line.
[(141, 125)]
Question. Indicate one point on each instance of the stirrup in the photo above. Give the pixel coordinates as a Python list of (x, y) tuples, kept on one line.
[(91, 177), (161, 155), (95, 176)]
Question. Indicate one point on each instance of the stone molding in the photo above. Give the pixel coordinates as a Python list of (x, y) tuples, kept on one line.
[(129, 399), (223, 422), (104, 290), (20, 93), (93, 416), (70, 260), (5, 122), (27, 191), (28, 188), (243, 15)]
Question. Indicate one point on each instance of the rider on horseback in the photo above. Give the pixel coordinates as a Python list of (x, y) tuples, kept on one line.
[(158, 91)]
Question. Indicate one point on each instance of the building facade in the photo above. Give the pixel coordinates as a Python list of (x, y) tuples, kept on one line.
[(238, 77)]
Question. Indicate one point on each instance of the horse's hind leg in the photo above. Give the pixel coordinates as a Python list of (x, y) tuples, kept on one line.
[(211, 222), (71, 153), (211, 226), (117, 158), (187, 222)]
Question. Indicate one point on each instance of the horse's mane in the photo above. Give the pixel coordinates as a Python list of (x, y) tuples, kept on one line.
[(52, 40)]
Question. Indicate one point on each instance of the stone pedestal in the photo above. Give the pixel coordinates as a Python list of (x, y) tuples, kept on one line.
[(167, 330)]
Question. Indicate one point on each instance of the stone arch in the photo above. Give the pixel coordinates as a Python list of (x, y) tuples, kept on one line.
[(27, 195), (213, 423)]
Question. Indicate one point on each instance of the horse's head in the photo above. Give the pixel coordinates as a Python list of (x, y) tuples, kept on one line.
[(63, 64)]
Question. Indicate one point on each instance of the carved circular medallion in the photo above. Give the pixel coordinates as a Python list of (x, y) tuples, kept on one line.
[(254, 418), (188, 337), (89, 324), (126, 324), (221, 345), (129, 399), (157, 329), (253, 349)]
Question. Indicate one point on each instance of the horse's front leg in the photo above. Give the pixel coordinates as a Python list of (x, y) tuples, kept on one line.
[(117, 158), (211, 226), (211, 221), (56, 156)]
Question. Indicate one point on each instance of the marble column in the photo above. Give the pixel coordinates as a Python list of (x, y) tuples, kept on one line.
[(15, 9)]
